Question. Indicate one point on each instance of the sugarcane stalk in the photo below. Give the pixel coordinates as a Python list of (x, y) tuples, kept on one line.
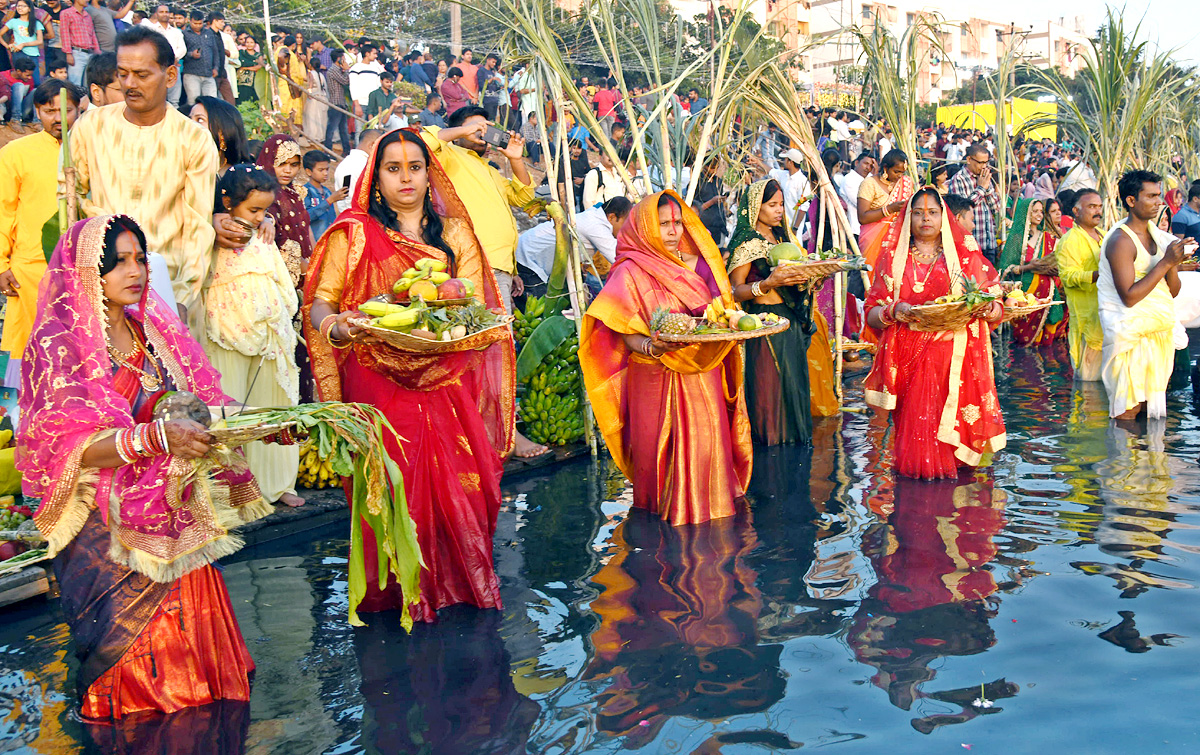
[(69, 209), (574, 277)]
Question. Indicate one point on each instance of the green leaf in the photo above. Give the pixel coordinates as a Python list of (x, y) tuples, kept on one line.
[(541, 343), (50, 235)]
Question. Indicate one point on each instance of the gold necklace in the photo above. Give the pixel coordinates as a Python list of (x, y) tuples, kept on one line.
[(919, 285), (149, 382)]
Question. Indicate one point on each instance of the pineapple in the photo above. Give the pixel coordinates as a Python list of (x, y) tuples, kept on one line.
[(671, 323)]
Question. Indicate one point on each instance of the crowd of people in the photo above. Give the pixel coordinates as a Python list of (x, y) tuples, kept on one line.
[(234, 271)]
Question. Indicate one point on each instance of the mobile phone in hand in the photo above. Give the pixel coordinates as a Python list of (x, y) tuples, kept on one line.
[(346, 183), (496, 137)]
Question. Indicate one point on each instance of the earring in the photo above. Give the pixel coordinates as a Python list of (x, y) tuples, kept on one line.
[(378, 195)]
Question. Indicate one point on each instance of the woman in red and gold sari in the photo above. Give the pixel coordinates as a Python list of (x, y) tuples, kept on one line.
[(133, 521), (673, 415), (453, 411), (881, 198), (1028, 254), (939, 386)]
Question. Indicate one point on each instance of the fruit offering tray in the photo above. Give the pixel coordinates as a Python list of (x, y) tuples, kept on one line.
[(405, 300), (946, 316), (1016, 313), (478, 340), (814, 269), (707, 333)]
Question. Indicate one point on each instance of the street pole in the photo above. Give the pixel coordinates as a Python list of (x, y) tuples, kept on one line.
[(455, 29), (271, 80)]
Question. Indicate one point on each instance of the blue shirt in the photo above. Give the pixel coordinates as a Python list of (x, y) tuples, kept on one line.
[(1186, 223), (321, 213)]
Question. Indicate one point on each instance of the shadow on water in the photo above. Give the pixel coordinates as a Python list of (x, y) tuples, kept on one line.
[(1033, 606)]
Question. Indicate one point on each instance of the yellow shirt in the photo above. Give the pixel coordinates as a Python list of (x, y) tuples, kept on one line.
[(27, 200), (487, 196), (1078, 256), (164, 176)]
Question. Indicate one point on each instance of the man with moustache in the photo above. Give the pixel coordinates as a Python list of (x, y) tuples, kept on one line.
[(145, 159)]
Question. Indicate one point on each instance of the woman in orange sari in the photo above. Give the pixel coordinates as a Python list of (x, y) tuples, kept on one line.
[(939, 386), (673, 415), (453, 410), (881, 198)]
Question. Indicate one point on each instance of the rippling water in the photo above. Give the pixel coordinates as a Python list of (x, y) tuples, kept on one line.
[(1044, 605)]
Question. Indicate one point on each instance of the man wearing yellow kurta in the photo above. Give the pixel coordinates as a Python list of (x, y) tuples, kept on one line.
[(145, 159), (1136, 291), (27, 201), (487, 194), (488, 197), (1078, 257)]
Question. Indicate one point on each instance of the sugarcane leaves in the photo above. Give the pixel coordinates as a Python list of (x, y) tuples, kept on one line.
[(544, 339)]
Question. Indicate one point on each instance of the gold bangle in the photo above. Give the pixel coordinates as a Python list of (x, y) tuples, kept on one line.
[(325, 330)]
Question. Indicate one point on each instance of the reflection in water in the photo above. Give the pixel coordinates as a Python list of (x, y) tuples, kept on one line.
[(216, 729), (445, 689), (932, 598), (852, 607), (1137, 511), (1125, 634), (677, 630)]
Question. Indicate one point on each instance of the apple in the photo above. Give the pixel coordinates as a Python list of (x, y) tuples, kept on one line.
[(454, 289)]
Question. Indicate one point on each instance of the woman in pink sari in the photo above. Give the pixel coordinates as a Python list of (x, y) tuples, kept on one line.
[(134, 522), (881, 199)]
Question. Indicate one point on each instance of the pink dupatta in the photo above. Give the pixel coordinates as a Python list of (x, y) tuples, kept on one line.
[(167, 515)]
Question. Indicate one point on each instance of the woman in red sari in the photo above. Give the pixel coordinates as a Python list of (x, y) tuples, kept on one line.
[(939, 386), (133, 522), (454, 411), (673, 415)]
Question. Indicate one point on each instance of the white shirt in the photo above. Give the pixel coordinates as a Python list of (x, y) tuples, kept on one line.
[(353, 165), (231, 57), (173, 35), (954, 153), (835, 133), (1080, 176), (850, 186), (885, 146), (600, 185), (795, 187), (535, 247), (364, 79), (529, 100)]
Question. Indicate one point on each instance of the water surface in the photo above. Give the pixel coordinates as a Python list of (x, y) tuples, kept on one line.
[(1044, 605)]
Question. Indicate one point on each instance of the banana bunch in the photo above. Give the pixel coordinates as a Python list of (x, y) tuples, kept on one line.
[(552, 407), (715, 312), (315, 472), (525, 322)]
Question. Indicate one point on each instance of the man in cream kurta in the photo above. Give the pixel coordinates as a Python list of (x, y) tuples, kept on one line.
[(145, 159), (1137, 283)]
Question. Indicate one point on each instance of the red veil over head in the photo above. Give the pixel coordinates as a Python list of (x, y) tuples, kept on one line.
[(165, 518), (376, 259)]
